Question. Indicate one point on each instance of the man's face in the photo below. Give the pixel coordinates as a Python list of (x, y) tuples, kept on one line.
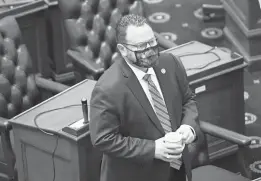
[(141, 47)]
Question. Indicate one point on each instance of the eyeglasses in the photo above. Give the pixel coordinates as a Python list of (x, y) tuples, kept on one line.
[(142, 46)]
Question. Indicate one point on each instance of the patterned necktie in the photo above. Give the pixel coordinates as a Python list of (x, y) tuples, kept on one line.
[(161, 112)]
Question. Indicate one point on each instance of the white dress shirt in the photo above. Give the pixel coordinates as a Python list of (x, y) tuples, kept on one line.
[(140, 74)]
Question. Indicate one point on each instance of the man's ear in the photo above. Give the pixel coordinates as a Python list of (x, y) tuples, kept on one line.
[(122, 49)]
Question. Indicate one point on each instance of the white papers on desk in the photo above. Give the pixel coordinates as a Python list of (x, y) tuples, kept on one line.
[(77, 125), (197, 57), (200, 62)]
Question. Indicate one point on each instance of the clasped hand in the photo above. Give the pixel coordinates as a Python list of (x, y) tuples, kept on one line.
[(167, 151), (188, 135)]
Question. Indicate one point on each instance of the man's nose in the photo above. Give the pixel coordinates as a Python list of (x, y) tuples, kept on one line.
[(149, 51)]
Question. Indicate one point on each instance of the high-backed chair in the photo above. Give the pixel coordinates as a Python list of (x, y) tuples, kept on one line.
[(20, 89), (202, 168), (90, 25)]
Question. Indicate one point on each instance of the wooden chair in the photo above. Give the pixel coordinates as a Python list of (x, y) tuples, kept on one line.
[(20, 89), (202, 168)]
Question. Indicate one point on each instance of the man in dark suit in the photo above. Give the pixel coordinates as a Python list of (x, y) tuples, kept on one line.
[(135, 103)]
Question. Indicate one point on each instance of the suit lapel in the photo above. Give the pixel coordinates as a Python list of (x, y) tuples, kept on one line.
[(164, 81), (135, 87)]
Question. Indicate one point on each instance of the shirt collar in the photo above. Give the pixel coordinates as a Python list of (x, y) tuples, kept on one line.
[(139, 73)]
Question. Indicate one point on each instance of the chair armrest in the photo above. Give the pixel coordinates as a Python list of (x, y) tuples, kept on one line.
[(231, 136), (8, 153), (4, 125), (225, 134), (163, 42), (50, 85), (89, 66)]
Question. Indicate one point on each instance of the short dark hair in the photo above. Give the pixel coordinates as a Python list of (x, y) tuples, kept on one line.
[(124, 22)]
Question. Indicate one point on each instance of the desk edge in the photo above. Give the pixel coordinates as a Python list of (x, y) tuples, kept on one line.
[(12, 120)]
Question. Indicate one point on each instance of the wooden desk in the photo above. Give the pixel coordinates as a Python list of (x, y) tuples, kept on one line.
[(243, 29), (74, 157), (30, 16), (62, 70), (219, 88)]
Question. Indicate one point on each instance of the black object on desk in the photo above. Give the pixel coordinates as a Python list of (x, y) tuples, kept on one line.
[(81, 126), (85, 110)]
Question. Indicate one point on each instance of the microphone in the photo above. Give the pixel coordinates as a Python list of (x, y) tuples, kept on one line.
[(85, 110), (81, 126)]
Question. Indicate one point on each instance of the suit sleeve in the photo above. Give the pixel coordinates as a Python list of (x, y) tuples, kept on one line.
[(189, 110), (106, 136)]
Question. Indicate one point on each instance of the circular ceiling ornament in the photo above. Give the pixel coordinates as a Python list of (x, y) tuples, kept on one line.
[(250, 118), (256, 81), (159, 17), (178, 5), (152, 1), (212, 33), (169, 36), (246, 95), (185, 25), (199, 14)]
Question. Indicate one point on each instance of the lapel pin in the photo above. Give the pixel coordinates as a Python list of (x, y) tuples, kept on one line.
[(163, 71)]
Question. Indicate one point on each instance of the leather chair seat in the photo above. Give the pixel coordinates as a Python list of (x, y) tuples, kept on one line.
[(213, 173)]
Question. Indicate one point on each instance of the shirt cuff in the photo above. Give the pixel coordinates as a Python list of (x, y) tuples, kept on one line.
[(193, 131)]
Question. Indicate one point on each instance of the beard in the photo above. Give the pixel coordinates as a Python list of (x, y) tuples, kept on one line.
[(150, 59), (147, 62)]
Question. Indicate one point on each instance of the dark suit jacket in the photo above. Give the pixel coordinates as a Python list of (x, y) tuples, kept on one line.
[(124, 125)]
